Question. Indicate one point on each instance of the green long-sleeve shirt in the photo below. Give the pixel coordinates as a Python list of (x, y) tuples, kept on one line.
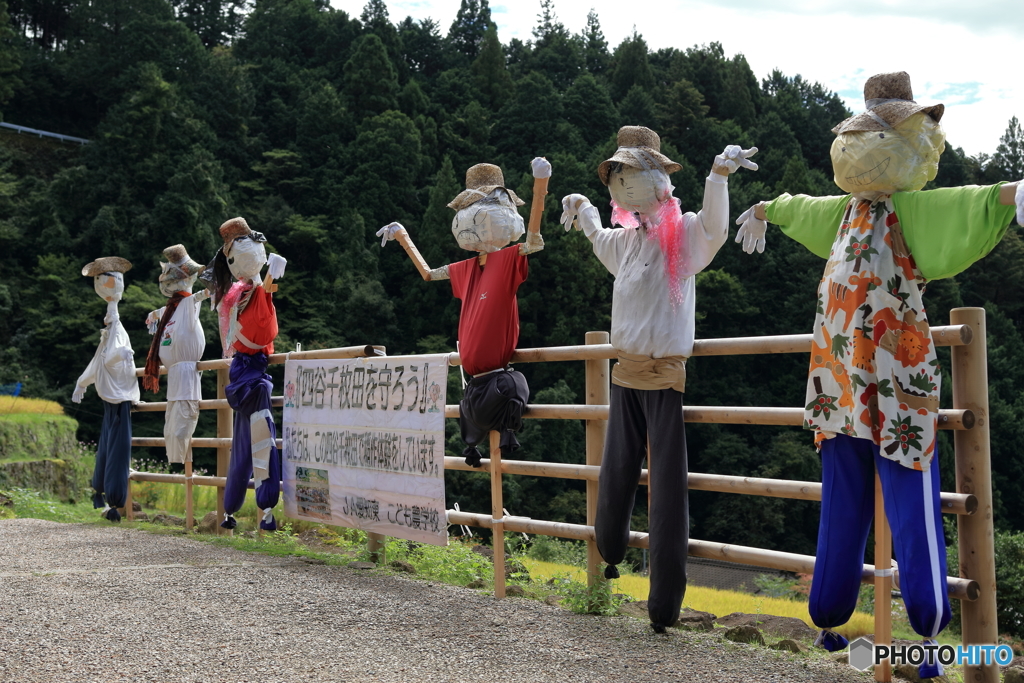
[(946, 229)]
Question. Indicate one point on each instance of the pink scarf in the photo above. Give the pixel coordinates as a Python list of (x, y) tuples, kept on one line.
[(666, 226)]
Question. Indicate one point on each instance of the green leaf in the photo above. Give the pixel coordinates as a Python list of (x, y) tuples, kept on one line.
[(885, 389)]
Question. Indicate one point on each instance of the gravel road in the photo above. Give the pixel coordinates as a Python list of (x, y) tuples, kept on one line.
[(107, 603)]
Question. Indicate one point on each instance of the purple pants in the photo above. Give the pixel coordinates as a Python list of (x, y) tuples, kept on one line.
[(249, 393)]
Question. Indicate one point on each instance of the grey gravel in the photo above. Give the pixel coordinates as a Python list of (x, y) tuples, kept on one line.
[(109, 603)]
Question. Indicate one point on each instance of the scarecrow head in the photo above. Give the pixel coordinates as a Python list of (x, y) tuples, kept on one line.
[(241, 257), (637, 174), (894, 146), (179, 273), (487, 216), (107, 275)]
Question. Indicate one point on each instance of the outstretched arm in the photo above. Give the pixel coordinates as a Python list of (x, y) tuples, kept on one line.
[(711, 230), (395, 231), (541, 168)]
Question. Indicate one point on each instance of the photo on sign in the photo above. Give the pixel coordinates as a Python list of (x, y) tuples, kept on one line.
[(313, 493)]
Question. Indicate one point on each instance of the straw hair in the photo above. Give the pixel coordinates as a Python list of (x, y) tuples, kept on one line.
[(639, 147), (178, 258), (888, 97), (481, 180), (107, 264)]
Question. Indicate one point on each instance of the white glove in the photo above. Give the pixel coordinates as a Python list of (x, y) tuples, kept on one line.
[(751, 231), (78, 395), (1019, 199), (127, 356), (275, 265), (541, 167), (732, 158), (572, 205), (388, 232)]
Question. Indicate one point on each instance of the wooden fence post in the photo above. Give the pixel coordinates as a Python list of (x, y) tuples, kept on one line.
[(225, 430), (497, 515), (375, 546), (883, 582), (975, 533), (189, 507), (597, 394)]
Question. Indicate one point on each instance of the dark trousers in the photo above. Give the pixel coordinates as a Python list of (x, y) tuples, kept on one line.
[(635, 416), (495, 401), (113, 454), (249, 392), (847, 511)]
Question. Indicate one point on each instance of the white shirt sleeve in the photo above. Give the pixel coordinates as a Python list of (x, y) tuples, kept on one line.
[(708, 233), (609, 244), (88, 376)]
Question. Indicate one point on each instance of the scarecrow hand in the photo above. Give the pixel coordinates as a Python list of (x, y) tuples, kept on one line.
[(572, 205), (78, 395), (541, 167), (127, 356), (1019, 199), (730, 160), (275, 265), (751, 231), (388, 232)]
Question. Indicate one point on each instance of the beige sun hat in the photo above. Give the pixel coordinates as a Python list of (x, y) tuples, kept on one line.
[(179, 259), (889, 100), (639, 147), (233, 228), (107, 264), (481, 180)]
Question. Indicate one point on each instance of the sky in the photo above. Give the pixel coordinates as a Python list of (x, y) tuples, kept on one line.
[(967, 55)]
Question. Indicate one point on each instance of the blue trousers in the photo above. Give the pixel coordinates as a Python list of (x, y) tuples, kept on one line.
[(249, 392), (114, 453), (847, 510)]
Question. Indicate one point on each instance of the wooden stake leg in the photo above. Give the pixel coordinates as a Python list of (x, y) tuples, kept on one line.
[(497, 513), (883, 582), (189, 509)]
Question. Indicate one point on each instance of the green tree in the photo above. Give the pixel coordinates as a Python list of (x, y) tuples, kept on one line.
[(370, 81), (467, 32), (630, 67), (492, 78), (1008, 161), (216, 23), (595, 47), (589, 109), (10, 57)]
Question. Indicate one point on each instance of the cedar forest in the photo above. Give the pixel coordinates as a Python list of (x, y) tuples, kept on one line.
[(319, 128)]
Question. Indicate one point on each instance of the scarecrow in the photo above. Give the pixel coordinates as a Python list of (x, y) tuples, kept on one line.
[(248, 327), (654, 256), (873, 388), (486, 220), (178, 343), (112, 370)]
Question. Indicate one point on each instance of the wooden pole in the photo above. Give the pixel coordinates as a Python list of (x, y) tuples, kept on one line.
[(374, 546), (975, 534), (598, 389), (189, 510), (961, 589), (128, 511), (225, 429), (540, 190), (497, 517), (414, 254), (883, 582)]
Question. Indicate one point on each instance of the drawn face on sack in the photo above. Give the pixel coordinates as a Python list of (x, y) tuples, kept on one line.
[(489, 224), (246, 257), (173, 280), (109, 286), (638, 190), (898, 159)]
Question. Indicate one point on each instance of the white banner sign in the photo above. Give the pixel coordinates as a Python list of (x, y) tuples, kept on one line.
[(364, 444)]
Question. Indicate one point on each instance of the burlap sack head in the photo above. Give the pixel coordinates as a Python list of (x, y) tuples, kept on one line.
[(889, 101), (639, 147), (481, 180)]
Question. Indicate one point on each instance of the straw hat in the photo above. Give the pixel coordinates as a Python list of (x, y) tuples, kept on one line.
[(233, 228), (179, 259), (889, 100), (107, 264), (481, 180), (639, 147)]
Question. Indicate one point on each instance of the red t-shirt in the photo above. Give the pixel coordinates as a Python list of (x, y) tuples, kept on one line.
[(489, 323), (258, 323)]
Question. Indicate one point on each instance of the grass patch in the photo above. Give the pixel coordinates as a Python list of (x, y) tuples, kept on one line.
[(13, 405)]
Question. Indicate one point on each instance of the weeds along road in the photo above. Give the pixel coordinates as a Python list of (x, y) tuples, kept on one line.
[(83, 602)]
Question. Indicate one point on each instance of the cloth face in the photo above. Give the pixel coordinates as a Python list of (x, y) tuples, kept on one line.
[(489, 224), (173, 280), (639, 190), (109, 286), (246, 258), (899, 159)]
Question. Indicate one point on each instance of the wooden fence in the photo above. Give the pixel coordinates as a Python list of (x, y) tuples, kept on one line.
[(968, 418)]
